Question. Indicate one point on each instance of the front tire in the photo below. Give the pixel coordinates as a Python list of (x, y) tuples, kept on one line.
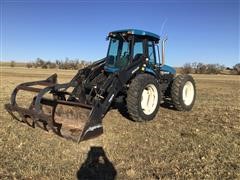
[(183, 92), (143, 98)]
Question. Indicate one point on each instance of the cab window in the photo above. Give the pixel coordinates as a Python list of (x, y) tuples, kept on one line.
[(137, 50), (151, 54)]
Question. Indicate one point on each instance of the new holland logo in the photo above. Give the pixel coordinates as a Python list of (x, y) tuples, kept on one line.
[(92, 128), (111, 98), (137, 68)]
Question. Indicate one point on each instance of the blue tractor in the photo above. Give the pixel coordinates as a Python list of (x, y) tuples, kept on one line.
[(132, 74)]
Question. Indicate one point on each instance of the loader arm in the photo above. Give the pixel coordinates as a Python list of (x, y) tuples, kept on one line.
[(105, 95)]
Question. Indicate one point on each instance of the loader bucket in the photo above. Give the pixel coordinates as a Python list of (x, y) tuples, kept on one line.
[(50, 110)]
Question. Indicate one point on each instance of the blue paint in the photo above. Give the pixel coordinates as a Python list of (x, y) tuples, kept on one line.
[(149, 70), (137, 32), (164, 68), (111, 69), (167, 68)]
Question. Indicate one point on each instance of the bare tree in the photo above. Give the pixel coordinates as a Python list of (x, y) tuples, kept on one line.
[(39, 62), (201, 68), (214, 68), (236, 68), (13, 64), (29, 65), (186, 69)]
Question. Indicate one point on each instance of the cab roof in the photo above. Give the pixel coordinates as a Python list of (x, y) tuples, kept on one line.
[(137, 32)]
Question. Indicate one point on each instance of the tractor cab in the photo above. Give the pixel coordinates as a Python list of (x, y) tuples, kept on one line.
[(129, 45)]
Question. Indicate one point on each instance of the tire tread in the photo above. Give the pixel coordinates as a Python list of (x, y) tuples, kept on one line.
[(133, 96)]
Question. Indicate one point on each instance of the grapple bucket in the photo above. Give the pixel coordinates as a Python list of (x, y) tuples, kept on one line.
[(51, 109)]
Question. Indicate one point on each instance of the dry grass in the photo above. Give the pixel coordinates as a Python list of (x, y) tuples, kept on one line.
[(203, 143), (8, 64)]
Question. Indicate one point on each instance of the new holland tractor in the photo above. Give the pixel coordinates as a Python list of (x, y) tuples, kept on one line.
[(133, 72)]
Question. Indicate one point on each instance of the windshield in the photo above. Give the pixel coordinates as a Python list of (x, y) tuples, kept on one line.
[(118, 53)]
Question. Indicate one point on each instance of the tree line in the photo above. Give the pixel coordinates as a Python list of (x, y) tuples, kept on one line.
[(187, 68), (58, 64), (201, 68)]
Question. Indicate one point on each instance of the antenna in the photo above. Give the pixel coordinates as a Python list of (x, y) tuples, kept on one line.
[(163, 26)]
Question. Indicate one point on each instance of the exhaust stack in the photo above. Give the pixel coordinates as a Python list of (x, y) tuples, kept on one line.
[(163, 50)]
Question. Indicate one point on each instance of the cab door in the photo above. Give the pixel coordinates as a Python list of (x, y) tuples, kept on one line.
[(151, 54)]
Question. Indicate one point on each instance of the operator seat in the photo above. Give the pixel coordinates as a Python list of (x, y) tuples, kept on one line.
[(137, 56)]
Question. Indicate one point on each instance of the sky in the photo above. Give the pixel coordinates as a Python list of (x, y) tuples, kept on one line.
[(204, 31)]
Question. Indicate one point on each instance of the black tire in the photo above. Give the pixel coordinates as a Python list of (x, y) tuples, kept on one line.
[(134, 97), (177, 92)]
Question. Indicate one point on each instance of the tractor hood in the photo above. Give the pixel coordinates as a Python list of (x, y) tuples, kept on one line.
[(167, 68)]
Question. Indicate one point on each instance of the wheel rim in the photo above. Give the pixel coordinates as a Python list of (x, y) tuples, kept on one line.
[(188, 93), (149, 99)]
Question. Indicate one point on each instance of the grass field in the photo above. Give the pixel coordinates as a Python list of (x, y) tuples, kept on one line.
[(203, 143), (8, 64)]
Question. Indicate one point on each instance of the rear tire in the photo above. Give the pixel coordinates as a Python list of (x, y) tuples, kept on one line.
[(183, 92), (143, 98)]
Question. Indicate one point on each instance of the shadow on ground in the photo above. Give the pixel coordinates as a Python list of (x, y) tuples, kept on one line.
[(168, 104), (96, 166)]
